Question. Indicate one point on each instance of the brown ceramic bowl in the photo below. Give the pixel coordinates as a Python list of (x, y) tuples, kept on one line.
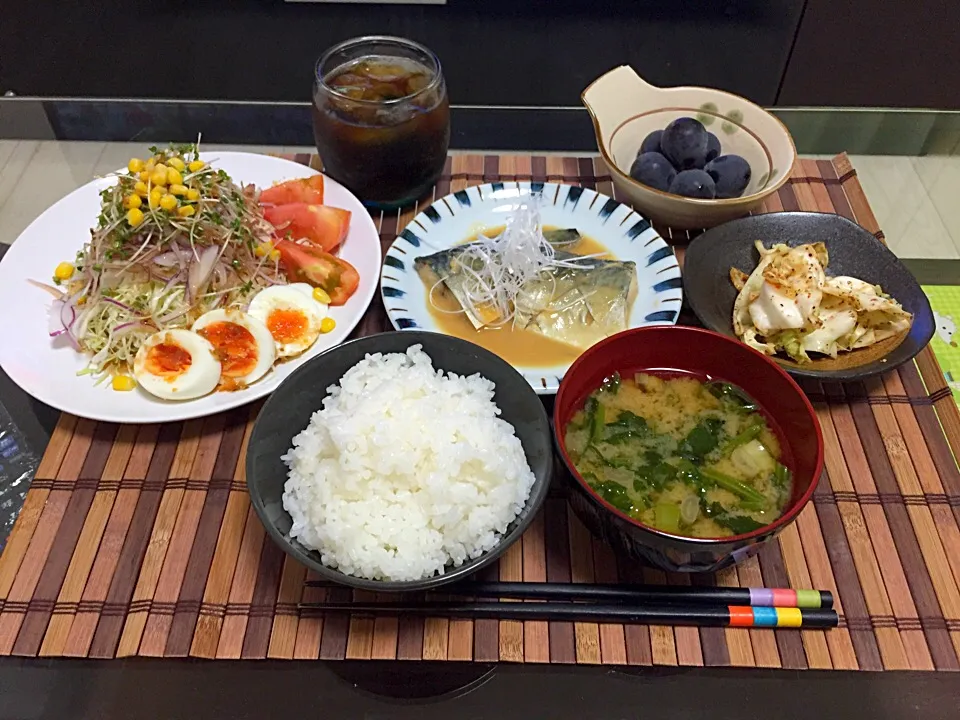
[(706, 354)]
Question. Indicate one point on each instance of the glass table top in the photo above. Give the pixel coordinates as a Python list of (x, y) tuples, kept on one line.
[(909, 167)]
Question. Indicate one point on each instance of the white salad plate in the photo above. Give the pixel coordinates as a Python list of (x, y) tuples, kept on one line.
[(47, 368), (458, 217)]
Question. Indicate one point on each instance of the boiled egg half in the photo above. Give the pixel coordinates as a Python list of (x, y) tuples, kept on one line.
[(176, 365), (242, 344), (291, 315)]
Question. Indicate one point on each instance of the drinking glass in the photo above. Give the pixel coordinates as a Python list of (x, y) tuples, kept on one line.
[(381, 118)]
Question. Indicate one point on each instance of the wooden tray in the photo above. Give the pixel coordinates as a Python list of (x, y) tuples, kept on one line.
[(140, 540)]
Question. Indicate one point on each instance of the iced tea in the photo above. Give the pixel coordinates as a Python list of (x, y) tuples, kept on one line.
[(381, 119)]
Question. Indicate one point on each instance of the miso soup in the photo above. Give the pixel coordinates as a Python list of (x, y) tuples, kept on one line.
[(682, 455)]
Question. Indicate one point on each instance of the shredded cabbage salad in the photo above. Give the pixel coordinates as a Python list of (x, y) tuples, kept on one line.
[(155, 264)]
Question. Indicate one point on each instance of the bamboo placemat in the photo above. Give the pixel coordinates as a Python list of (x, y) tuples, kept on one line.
[(140, 540)]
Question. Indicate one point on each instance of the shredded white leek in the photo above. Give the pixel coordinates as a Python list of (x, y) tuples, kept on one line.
[(497, 268)]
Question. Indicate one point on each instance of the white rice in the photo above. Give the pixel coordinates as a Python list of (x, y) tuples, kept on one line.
[(404, 471)]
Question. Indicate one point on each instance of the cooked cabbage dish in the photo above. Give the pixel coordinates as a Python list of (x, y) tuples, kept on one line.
[(789, 305)]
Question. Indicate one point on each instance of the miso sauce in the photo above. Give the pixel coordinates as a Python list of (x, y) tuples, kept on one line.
[(682, 455)]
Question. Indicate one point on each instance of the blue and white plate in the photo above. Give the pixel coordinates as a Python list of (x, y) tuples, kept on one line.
[(460, 216)]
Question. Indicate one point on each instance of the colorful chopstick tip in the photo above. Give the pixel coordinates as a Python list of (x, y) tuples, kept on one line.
[(785, 597), (765, 617), (760, 616), (809, 599), (761, 597), (789, 617)]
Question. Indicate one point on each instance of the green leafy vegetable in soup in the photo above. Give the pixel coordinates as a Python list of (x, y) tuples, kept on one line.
[(689, 457)]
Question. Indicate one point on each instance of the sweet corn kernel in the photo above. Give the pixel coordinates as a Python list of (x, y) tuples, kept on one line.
[(145, 176), (150, 164), (135, 165), (141, 189), (82, 300), (177, 189), (63, 271), (132, 201), (263, 249), (274, 256), (168, 202), (177, 163), (123, 383), (186, 211), (327, 324), (155, 195), (196, 165), (173, 176), (159, 177), (134, 216), (193, 194), (321, 296)]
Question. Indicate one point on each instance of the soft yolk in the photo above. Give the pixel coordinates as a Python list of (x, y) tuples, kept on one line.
[(287, 325), (167, 360), (235, 347)]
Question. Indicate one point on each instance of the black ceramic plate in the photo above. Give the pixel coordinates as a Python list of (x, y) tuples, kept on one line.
[(853, 251), (288, 411)]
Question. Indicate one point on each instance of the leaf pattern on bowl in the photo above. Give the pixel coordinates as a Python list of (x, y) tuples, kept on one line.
[(734, 120), (708, 113)]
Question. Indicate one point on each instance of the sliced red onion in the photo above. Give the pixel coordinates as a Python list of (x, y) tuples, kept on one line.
[(266, 278), (167, 259), (172, 281), (127, 327), (68, 316), (55, 323), (118, 304), (201, 269), (220, 274), (170, 317), (56, 292), (183, 254), (110, 280)]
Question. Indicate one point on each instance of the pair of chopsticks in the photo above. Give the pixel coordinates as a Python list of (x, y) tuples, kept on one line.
[(649, 604)]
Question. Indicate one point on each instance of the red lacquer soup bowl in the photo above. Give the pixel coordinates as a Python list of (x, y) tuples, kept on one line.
[(672, 349)]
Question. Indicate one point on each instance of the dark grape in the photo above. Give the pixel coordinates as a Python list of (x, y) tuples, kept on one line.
[(651, 143), (713, 147), (731, 173), (684, 143), (693, 184), (654, 170)]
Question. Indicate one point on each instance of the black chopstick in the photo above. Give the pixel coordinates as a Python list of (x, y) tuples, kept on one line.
[(640, 594), (700, 615)]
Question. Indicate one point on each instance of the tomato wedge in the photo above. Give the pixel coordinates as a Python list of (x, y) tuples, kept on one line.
[(302, 190), (320, 225), (304, 263)]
